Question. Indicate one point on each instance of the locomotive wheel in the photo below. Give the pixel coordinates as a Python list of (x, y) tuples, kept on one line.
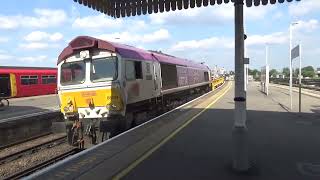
[(126, 122), (75, 135)]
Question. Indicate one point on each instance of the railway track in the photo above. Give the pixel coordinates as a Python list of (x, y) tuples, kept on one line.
[(42, 165), (25, 140), (31, 150)]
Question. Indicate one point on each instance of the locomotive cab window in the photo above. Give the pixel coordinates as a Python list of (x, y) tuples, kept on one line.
[(133, 70), (104, 69), (73, 73)]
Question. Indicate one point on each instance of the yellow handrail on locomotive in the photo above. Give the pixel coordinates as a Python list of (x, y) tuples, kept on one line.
[(217, 82)]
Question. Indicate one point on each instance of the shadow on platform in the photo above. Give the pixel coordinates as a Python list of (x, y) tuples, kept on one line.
[(282, 145)]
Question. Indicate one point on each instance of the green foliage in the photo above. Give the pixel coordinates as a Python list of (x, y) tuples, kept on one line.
[(308, 71), (254, 72), (286, 72), (273, 72), (295, 72)]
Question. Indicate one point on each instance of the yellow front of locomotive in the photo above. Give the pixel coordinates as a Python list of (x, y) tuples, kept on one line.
[(88, 85)]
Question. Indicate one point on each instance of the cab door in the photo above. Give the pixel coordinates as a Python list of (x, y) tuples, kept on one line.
[(5, 88), (156, 78)]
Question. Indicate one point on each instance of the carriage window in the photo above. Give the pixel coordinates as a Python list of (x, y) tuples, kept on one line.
[(130, 71), (49, 79), (29, 80), (148, 68), (104, 69), (206, 76), (138, 69), (73, 73), (133, 70)]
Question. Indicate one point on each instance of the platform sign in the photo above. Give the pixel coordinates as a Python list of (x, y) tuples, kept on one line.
[(295, 52), (246, 60)]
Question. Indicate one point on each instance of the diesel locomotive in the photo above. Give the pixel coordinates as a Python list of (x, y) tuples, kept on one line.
[(106, 87)]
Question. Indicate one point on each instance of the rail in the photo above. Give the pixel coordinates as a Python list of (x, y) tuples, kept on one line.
[(31, 150), (42, 165)]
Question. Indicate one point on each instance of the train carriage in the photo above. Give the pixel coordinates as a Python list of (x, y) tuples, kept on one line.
[(105, 86), (27, 81)]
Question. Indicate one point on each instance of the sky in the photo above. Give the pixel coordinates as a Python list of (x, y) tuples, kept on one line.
[(33, 33)]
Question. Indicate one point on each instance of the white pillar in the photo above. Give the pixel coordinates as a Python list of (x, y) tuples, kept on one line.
[(267, 71), (300, 58), (239, 131), (290, 64)]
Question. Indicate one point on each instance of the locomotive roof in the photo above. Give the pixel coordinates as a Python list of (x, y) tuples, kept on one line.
[(126, 51)]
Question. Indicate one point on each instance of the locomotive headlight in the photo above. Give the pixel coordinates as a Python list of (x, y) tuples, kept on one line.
[(85, 54)]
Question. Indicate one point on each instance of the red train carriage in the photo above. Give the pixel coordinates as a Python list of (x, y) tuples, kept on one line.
[(27, 81)]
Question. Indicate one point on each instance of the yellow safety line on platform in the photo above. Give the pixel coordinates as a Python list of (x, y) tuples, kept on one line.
[(147, 154)]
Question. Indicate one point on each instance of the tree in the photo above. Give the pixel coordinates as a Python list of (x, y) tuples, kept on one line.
[(273, 72), (286, 72), (295, 72), (254, 72), (308, 71)]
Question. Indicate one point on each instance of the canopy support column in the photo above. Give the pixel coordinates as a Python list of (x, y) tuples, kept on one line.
[(239, 132)]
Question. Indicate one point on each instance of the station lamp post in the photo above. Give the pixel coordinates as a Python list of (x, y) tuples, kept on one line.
[(290, 60)]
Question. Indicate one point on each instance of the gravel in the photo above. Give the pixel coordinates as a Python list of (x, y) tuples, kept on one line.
[(32, 160), (19, 147)]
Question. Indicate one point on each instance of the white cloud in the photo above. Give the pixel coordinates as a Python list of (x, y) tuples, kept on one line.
[(129, 38), (4, 56), (34, 45), (258, 12), (43, 18), (98, 22), (33, 59), (8, 22), (43, 36), (304, 7), (195, 15), (274, 38), (3, 39), (159, 35), (209, 43), (307, 26)]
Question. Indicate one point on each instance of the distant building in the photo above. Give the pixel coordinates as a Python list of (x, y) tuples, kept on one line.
[(318, 72), (217, 72), (280, 76)]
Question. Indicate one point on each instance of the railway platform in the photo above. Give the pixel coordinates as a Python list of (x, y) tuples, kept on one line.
[(26, 106), (29, 117), (194, 142)]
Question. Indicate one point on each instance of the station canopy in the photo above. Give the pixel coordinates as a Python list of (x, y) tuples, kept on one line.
[(126, 8)]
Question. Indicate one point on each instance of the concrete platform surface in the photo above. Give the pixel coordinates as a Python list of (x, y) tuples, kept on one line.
[(282, 145), (20, 107)]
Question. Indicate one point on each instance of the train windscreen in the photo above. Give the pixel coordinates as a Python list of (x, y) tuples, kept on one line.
[(104, 69), (73, 73)]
